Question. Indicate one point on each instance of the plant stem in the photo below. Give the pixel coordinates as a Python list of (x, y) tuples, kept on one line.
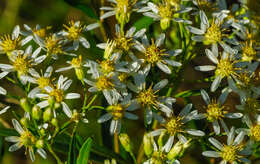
[(133, 157), (140, 153), (54, 154), (116, 143)]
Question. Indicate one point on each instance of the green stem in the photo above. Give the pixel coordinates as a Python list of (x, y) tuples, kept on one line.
[(54, 154), (133, 157)]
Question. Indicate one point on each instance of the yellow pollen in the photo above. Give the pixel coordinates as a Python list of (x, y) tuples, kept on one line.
[(213, 33), (76, 62), (249, 53), (107, 66), (8, 44), (52, 45), (148, 97), (215, 111), (43, 82), (153, 54), (58, 95), (229, 153), (255, 132), (104, 82), (73, 30), (174, 125), (225, 68), (123, 43), (27, 139), (117, 111), (22, 64)]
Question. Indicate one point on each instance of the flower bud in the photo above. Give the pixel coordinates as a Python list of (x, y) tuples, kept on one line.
[(125, 141), (175, 151), (148, 145), (42, 132), (36, 112), (79, 73), (47, 115), (25, 122), (56, 105), (160, 139), (54, 122), (51, 101), (39, 144), (165, 23), (25, 104)]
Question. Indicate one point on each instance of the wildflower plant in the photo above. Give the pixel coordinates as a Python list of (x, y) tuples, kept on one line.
[(146, 81)]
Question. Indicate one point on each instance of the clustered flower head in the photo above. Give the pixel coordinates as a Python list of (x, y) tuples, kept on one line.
[(138, 77)]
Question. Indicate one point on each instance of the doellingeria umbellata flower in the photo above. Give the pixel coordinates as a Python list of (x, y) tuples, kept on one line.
[(38, 30), (248, 52), (216, 111), (250, 105), (233, 152), (122, 9), (74, 33), (165, 13), (26, 139), (212, 34), (117, 111), (208, 6), (175, 126), (253, 130), (56, 94), (123, 42), (22, 62), (76, 64), (153, 54), (42, 81), (9, 43), (226, 67), (148, 98)]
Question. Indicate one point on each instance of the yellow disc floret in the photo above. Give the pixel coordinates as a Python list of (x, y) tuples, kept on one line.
[(229, 152), (225, 68), (22, 64), (103, 83), (147, 97), (76, 62), (52, 45), (74, 30), (174, 125), (215, 111), (8, 44), (43, 82), (153, 54), (117, 111), (255, 132), (213, 33), (27, 139), (58, 94), (248, 52), (107, 66)]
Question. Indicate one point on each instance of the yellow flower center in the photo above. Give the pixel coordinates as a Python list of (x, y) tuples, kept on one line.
[(225, 68), (8, 44), (229, 153), (122, 77), (52, 45), (153, 54), (213, 33), (58, 94), (27, 139), (174, 126), (73, 30), (104, 82), (43, 82), (41, 32), (22, 64), (255, 132), (123, 10), (249, 52), (147, 97), (215, 111), (251, 105), (117, 111), (123, 43), (76, 62), (107, 66), (165, 11)]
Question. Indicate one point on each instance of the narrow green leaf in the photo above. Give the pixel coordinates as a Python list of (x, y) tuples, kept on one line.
[(143, 22), (188, 93), (7, 132), (72, 155), (84, 152)]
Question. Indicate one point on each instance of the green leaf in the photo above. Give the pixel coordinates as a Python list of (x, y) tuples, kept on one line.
[(188, 93), (83, 7), (72, 156), (143, 22), (7, 132), (84, 152)]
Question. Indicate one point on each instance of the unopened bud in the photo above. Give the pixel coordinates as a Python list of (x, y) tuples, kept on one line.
[(148, 145), (36, 112), (42, 132), (25, 122), (79, 73), (54, 122), (25, 104), (165, 23), (39, 144), (125, 141), (175, 151), (51, 101), (47, 115)]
